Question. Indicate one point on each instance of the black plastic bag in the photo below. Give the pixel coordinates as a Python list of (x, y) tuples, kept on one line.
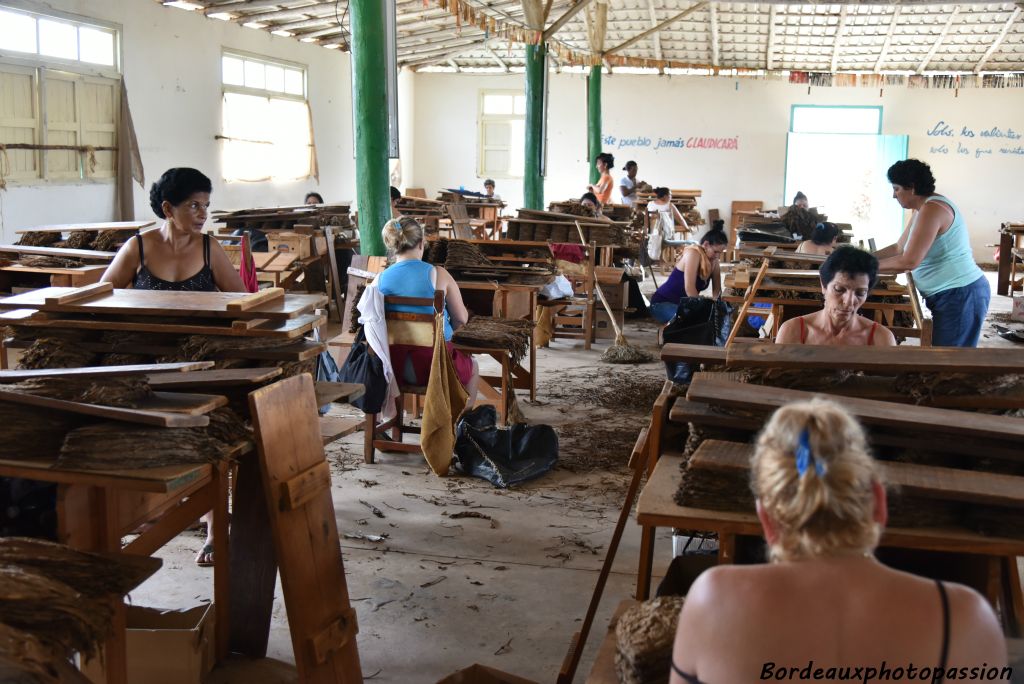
[(698, 320), (502, 456), (363, 366)]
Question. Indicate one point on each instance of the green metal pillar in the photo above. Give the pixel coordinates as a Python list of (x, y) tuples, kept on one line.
[(370, 105), (594, 120), (533, 181)]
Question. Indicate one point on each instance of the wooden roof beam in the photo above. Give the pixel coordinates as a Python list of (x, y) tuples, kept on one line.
[(657, 36), (497, 59), (437, 59), (275, 14), (888, 39), (713, 27), (564, 19), (245, 5), (769, 57), (655, 29), (938, 41), (838, 40), (999, 39)]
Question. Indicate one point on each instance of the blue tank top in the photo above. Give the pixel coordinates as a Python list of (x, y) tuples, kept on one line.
[(410, 279), (949, 262)]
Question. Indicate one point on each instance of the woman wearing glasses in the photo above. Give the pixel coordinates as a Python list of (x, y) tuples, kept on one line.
[(177, 255)]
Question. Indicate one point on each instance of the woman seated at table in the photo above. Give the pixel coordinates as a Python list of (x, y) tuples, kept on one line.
[(410, 276), (847, 277), (825, 599), (823, 240), (177, 256), (695, 269)]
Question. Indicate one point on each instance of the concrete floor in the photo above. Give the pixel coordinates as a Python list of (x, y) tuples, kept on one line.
[(438, 594)]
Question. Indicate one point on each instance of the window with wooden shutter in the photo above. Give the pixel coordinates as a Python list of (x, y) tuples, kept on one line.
[(502, 134)]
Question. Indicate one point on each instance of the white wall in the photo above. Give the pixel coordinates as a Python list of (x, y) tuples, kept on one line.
[(754, 112), (172, 71)]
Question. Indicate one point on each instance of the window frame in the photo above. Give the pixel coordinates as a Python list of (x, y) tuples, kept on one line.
[(227, 88), (484, 119), (793, 109), (77, 66)]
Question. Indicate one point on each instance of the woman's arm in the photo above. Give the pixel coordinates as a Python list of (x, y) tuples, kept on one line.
[(121, 271), (457, 312), (225, 277), (689, 264), (930, 220)]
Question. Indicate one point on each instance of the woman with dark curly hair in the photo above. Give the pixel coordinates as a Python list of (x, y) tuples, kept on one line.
[(603, 188), (936, 248), (177, 255)]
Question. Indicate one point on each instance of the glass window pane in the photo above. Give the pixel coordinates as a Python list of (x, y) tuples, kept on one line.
[(96, 46), (837, 120), (275, 78), (255, 75), (497, 104), (293, 84), (17, 32), (57, 39), (520, 104), (232, 71)]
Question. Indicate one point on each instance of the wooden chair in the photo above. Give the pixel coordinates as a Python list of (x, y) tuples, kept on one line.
[(464, 227), (573, 317), (417, 329)]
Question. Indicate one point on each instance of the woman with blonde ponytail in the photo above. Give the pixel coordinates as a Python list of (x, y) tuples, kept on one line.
[(410, 276), (824, 606)]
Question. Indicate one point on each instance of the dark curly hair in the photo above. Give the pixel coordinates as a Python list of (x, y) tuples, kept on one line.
[(176, 186), (607, 158), (825, 233), (912, 173), (716, 235), (851, 261)]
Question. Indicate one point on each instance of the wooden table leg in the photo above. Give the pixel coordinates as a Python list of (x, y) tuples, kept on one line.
[(726, 548), (1013, 598), (221, 562), (643, 576), (253, 564), (1005, 259)]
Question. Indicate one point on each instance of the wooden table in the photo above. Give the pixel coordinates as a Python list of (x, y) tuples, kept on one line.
[(17, 275), (603, 670), (657, 508), (509, 301), (95, 509)]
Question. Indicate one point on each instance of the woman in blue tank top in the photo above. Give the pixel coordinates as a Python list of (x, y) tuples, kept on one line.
[(410, 276), (936, 248), (696, 268)]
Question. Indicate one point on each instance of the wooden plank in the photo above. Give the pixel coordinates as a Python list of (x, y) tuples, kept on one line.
[(127, 415), (287, 329), (932, 482), (59, 252), (333, 428), (160, 303), (157, 480), (904, 417), (694, 353), (304, 487), (69, 227), (345, 392), (171, 370), (305, 539), (657, 507), (182, 402), (879, 360), (211, 379), (603, 670), (88, 271), (252, 300), (80, 294)]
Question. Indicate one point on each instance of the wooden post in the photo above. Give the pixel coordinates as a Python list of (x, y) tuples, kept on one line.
[(533, 181), (594, 140)]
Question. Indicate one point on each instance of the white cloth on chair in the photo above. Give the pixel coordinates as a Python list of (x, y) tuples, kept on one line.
[(371, 310)]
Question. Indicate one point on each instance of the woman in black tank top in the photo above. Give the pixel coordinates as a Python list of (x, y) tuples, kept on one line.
[(182, 198), (177, 256)]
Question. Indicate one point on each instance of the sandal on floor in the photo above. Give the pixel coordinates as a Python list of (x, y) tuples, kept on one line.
[(204, 559)]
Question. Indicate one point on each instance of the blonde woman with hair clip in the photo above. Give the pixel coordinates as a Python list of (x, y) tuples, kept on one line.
[(825, 604), (410, 276)]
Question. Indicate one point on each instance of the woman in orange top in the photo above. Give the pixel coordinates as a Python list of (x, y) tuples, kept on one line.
[(603, 187)]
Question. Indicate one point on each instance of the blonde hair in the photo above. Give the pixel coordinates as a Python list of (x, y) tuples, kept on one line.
[(829, 509), (402, 234)]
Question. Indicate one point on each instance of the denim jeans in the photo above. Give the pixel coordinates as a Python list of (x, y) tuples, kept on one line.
[(663, 312), (957, 314)]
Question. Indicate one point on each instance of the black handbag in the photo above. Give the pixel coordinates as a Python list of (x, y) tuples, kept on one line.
[(698, 320), (362, 366)]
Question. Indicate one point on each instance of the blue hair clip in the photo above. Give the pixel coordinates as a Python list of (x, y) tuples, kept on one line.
[(804, 456)]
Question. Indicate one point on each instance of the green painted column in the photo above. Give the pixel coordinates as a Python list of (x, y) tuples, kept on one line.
[(594, 119), (533, 182), (370, 106)]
